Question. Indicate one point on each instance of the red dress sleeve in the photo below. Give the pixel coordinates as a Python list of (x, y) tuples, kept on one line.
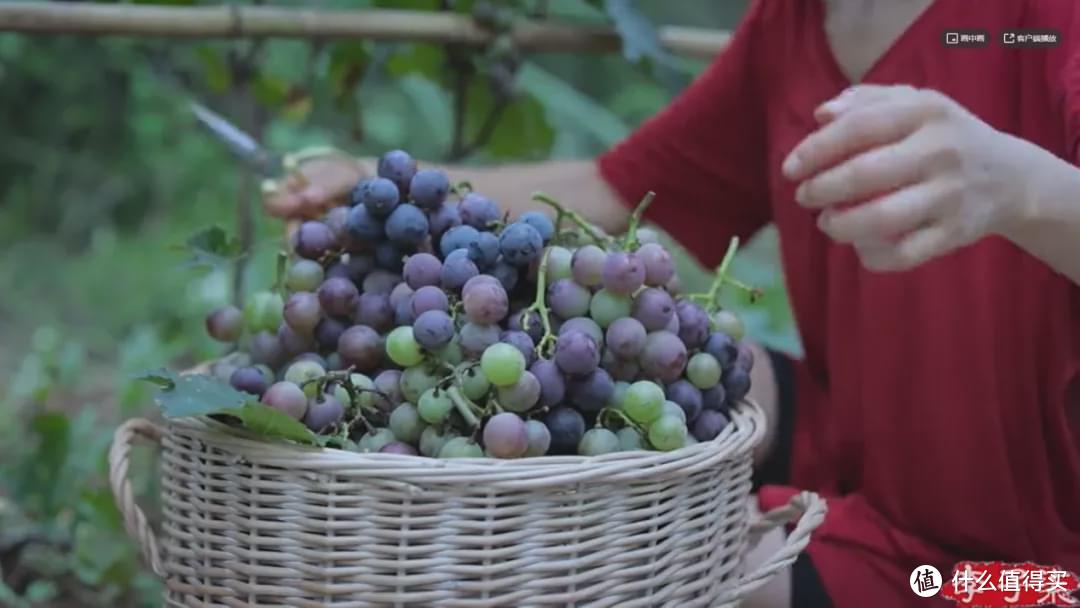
[(703, 155)]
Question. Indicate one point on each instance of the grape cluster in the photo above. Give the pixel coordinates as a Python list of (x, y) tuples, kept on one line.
[(420, 320)]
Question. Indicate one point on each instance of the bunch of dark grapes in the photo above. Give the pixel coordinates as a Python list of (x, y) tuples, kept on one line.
[(419, 320)]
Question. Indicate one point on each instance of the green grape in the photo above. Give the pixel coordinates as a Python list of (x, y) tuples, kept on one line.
[(607, 306), (461, 447), (630, 439), (598, 441), (703, 371), (667, 433), (674, 409), (434, 406), (502, 364), (432, 441), (729, 323), (263, 312), (374, 440), (618, 395), (304, 275), (364, 385), (402, 347), (340, 393), (451, 353), (644, 401), (558, 264), (690, 440), (415, 380), (406, 424), (303, 371), (474, 384)]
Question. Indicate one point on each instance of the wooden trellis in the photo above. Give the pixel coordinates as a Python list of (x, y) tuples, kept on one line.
[(234, 21)]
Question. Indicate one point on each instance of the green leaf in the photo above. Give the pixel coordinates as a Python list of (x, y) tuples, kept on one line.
[(270, 90), (570, 107), (215, 70), (639, 37), (523, 130), (425, 59), (348, 62), (161, 377), (212, 248), (198, 395), (268, 422)]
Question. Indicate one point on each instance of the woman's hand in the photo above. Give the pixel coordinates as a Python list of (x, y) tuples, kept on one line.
[(906, 175), (316, 186)]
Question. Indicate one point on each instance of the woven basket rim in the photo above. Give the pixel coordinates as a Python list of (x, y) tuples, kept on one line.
[(742, 434)]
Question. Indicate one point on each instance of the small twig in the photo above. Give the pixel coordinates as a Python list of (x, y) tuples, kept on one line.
[(464, 407)]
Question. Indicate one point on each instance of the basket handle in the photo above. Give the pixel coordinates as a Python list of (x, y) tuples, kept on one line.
[(134, 519), (807, 511)]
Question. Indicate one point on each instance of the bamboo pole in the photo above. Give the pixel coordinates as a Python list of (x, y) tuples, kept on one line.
[(235, 21)]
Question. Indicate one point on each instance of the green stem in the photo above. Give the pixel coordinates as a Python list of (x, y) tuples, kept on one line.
[(562, 212), (711, 299), (540, 307), (622, 417), (463, 406), (630, 242)]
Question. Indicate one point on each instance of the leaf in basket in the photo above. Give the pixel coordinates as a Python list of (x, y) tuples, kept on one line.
[(195, 395), (268, 422)]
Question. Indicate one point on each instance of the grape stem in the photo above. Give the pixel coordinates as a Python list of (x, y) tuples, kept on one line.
[(540, 307), (630, 242), (463, 406), (575, 217), (461, 188), (621, 417), (711, 299)]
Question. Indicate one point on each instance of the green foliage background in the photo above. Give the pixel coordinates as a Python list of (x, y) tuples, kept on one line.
[(103, 172)]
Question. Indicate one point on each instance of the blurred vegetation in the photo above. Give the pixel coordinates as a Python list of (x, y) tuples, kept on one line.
[(103, 172)]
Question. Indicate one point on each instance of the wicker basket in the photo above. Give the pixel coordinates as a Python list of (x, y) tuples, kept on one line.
[(253, 523)]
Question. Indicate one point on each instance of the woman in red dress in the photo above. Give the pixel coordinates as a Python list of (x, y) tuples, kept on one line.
[(929, 220)]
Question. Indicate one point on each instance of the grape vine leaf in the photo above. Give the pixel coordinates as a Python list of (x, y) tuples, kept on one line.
[(204, 395), (212, 248)]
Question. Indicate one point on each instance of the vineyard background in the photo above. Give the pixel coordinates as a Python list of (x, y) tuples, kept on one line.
[(103, 173)]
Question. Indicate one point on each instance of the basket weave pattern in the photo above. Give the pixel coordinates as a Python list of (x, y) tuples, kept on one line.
[(251, 523)]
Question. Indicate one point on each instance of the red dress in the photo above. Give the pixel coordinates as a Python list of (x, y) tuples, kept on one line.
[(939, 409)]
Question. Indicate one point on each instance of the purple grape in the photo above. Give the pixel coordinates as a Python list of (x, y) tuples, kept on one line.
[(358, 265), (736, 384), (399, 167), (249, 380), (445, 217), (486, 303), (337, 270), (375, 311), (693, 324), (475, 338), (397, 447), (477, 281), (457, 269), (484, 251), (535, 325), (567, 427), (623, 272), (522, 395), (458, 237), (552, 382), (674, 286), (506, 274), (390, 257), (478, 211), (687, 396), (568, 299), (403, 313), (302, 312), (520, 244), (428, 188), (265, 349), (407, 225), (292, 342), (583, 324), (505, 437), (287, 398), (323, 411), (338, 296), (587, 265), (664, 356), (388, 389), (540, 222), (363, 226), (745, 359), (626, 337), (723, 347), (592, 392), (226, 324), (400, 293), (422, 269), (362, 347), (334, 362), (433, 329), (708, 425), (623, 370), (313, 240), (659, 265), (380, 281), (522, 342), (429, 298), (380, 197), (713, 398), (337, 221), (673, 325), (576, 353), (654, 308), (328, 331)]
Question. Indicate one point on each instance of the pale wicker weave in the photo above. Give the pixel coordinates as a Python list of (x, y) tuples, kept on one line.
[(254, 523)]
